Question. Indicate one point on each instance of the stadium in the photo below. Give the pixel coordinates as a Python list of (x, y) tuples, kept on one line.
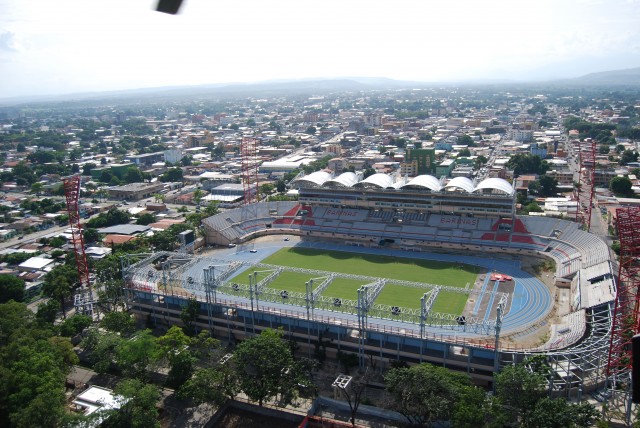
[(391, 268)]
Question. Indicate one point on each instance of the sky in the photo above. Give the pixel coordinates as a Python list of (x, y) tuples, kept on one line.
[(72, 46)]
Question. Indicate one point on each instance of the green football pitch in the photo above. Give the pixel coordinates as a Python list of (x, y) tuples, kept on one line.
[(438, 273)]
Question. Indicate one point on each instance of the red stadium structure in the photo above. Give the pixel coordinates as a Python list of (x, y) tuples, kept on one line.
[(584, 192), (626, 318), (249, 170), (72, 195)]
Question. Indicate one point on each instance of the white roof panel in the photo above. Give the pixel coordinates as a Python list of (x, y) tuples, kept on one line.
[(497, 184), (460, 183), (381, 180), (346, 179), (428, 181)]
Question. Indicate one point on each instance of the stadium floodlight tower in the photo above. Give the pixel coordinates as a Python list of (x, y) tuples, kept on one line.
[(584, 191), (626, 316), (83, 300)]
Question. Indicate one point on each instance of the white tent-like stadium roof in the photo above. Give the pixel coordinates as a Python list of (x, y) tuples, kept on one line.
[(497, 184), (381, 180), (346, 179), (460, 183), (318, 178), (428, 181)]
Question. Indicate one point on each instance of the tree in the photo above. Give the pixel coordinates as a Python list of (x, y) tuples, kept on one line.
[(368, 172), (106, 176), (48, 311), (37, 188), (145, 219), (74, 325), (261, 365), (533, 207), (119, 322), (33, 367), (520, 389), (197, 196), (525, 163), (137, 406), (175, 347), (476, 409), (620, 185), (91, 235), (425, 393), (604, 149), (102, 349), (87, 167), (480, 160), (189, 315), (136, 355), (186, 161), (354, 393), (464, 152), (171, 175), (311, 130), (11, 288), (557, 413), (628, 156), (133, 175), (266, 188), (59, 284), (548, 185), (281, 186), (210, 385), (212, 208)]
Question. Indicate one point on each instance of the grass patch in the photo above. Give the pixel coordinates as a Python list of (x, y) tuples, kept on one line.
[(409, 297), (343, 288), (428, 271)]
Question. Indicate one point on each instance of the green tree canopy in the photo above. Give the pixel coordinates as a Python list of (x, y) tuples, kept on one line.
[(119, 322), (145, 219), (620, 186), (33, 367), (137, 406), (525, 163), (425, 393), (171, 175), (11, 288), (133, 175), (262, 365), (59, 284), (628, 156)]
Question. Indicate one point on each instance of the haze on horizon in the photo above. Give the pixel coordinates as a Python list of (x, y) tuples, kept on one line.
[(70, 46)]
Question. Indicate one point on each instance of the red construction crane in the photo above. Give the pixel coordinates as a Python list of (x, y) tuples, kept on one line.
[(249, 169), (72, 194), (584, 191)]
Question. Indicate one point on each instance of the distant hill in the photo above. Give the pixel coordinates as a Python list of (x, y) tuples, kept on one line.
[(627, 77), (225, 90)]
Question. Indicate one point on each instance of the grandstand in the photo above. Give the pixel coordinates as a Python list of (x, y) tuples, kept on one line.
[(462, 220)]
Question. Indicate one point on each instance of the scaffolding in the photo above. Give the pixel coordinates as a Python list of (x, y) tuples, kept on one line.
[(626, 317)]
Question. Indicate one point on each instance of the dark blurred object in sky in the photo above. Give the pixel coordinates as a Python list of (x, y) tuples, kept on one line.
[(169, 6)]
